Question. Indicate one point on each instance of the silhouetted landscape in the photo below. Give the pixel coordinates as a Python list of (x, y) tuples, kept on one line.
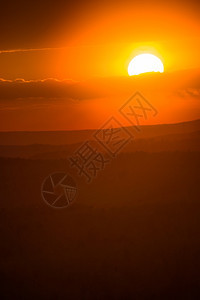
[(133, 233)]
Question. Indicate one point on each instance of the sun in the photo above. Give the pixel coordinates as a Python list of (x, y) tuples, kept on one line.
[(144, 63)]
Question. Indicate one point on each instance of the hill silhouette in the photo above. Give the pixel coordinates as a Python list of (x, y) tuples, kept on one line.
[(133, 233), (58, 145)]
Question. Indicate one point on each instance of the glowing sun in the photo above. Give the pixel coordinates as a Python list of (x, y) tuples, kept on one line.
[(145, 63)]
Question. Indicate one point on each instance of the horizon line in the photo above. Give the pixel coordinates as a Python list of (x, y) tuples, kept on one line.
[(92, 129)]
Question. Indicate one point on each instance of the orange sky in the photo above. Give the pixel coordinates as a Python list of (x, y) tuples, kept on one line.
[(91, 48)]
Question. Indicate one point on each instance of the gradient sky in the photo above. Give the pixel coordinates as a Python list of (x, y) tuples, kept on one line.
[(61, 50)]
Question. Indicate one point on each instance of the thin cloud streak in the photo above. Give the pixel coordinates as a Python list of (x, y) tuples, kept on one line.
[(31, 50)]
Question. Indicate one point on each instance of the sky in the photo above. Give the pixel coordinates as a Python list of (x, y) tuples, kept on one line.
[(60, 61)]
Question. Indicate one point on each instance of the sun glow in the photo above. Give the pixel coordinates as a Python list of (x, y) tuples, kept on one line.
[(144, 63)]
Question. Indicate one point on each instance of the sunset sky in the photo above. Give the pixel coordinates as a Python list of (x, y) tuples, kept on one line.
[(63, 65)]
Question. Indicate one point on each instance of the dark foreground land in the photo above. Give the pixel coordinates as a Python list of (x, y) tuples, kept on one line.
[(133, 233)]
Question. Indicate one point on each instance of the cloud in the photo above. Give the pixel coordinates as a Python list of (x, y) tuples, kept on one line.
[(31, 50), (46, 89), (193, 92), (54, 89)]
